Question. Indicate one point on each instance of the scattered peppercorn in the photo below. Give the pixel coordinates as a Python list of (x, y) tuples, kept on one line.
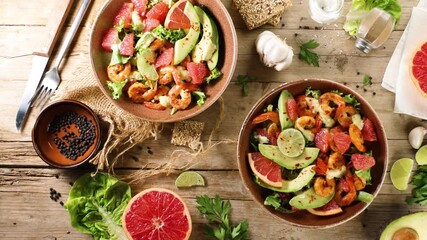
[(357, 86), (72, 143), (374, 93)]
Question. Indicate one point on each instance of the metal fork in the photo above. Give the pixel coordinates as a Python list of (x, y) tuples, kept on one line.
[(51, 79)]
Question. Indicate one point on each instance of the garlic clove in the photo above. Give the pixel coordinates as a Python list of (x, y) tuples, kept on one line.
[(416, 136), (262, 40), (285, 63)]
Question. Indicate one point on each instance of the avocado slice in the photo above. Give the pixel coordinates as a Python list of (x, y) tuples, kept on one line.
[(309, 199), (185, 45), (285, 121), (411, 226), (303, 178), (144, 63), (306, 158), (215, 39), (204, 50)]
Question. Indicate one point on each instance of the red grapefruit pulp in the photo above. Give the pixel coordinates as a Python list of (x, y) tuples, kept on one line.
[(418, 69), (176, 17), (265, 169), (157, 214)]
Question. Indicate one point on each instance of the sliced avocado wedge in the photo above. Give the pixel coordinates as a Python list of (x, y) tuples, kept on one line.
[(306, 158), (411, 226), (303, 178), (204, 50), (215, 39), (144, 63), (285, 121), (309, 199), (185, 45)]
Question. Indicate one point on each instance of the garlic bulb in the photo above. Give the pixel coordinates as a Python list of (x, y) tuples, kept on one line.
[(273, 51), (416, 136)]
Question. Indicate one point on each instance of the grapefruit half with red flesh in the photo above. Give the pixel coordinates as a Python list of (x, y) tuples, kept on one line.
[(157, 214), (418, 69), (176, 18), (265, 169)]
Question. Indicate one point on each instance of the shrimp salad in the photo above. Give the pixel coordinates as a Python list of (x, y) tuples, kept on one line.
[(163, 53), (313, 152)]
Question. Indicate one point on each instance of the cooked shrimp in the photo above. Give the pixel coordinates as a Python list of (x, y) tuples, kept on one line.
[(336, 161), (306, 106), (118, 72), (329, 102), (345, 198), (356, 137), (140, 93), (305, 124), (359, 183), (344, 115), (180, 98), (169, 73), (324, 186), (157, 44), (155, 102)]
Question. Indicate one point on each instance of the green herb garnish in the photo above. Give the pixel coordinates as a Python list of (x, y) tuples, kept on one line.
[(419, 193), (308, 56), (200, 96), (313, 93), (217, 212), (215, 73), (243, 81), (367, 80)]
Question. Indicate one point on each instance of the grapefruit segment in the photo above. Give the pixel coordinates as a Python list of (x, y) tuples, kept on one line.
[(331, 208), (265, 169), (157, 213), (418, 69), (176, 18)]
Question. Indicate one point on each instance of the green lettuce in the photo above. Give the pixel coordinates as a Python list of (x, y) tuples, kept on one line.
[(359, 8), (116, 88), (365, 174), (167, 34), (215, 73), (96, 205), (200, 96)]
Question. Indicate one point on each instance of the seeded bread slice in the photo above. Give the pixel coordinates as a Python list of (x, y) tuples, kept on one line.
[(256, 13), (187, 133)]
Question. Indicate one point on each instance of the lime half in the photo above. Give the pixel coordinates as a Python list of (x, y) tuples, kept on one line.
[(400, 173), (291, 142), (421, 155), (189, 179)]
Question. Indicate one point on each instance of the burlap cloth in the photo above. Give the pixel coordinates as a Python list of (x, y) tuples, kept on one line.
[(126, 130)]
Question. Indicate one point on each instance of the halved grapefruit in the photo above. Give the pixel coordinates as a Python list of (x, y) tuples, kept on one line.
[(157, 213), (331, 208), (176, 18), (418, 69), (265, 169)]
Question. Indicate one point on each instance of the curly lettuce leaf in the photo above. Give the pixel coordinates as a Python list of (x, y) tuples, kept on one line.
[(116, 88), (200, 96), (167, 34), (359, 9), (96, 205), (215, 73)]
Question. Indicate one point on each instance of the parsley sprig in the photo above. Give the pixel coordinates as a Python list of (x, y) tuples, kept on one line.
[(217, 212), (306, 55), (419, 193), (243, 81)]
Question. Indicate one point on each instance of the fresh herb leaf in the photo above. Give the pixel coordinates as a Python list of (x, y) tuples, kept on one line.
[(116, 88), (365, 174), (313, 93), (273, 200), (419, 193), (200, 96), (217, 211), (308, 56), (243, 81), (168, 34), (367, 80), (215, 73)]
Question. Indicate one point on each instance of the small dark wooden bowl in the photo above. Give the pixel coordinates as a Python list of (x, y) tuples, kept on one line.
[(303, 218), (226, 62), (43, 140)]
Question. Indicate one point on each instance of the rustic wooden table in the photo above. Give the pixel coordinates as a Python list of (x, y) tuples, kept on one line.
[(27, 212)]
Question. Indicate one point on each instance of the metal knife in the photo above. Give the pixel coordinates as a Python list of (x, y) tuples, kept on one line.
[(41, 56)]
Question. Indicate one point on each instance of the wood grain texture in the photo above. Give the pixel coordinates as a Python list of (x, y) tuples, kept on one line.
[(27, 212)]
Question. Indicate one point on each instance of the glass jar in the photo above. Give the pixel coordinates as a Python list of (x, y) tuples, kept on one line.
[(375, 28), (325, 11)]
